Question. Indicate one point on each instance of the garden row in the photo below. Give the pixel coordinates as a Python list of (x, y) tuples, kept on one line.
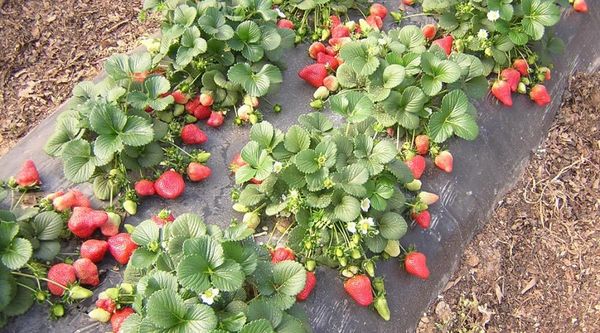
[(342, 195)]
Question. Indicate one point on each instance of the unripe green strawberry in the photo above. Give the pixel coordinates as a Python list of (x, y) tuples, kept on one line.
[(57, 310), (382, 307), (369, 267), (130, 207), (310, 265), (428, 198), (100, 315), (392, 248), (78, 292), (415, 185), (251, 220), (521, 88), (321, 93)]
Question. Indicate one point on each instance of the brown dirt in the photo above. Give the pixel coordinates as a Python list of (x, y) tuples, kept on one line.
[(48, 46), (535, 267)]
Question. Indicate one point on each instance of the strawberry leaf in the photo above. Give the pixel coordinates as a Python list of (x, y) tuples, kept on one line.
[(187, 225), (353, 105), (296, 139), (258, 326), (347, 209), (392, 226), (47, 225), (79, 165), (17, 253), (145, 233), (262, 311)]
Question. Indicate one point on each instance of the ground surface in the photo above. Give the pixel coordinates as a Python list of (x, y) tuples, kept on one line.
[(48, 46), (536, 265)]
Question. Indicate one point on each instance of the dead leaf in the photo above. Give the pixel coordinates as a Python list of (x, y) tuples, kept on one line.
[(499, 294), (529, 285)]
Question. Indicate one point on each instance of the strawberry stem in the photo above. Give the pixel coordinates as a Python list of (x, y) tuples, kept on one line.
[(39, 278)]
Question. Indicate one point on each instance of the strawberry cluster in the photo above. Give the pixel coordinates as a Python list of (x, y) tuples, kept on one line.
[(517, 78), (114, 305)]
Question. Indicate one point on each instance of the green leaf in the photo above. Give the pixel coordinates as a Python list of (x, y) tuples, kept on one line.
[(315, 122), (306, 161), (8, 231), (213, 22), (260, 309), (23, 299), (255, 84), (48, 250), (346, 76), (400, 171), (187, 225), (263, 134), (245, 256), (393, 75), (17, 254), (47, 226), (356, 55), (78, 163), (145, 233), (348, 209), (453, 119), (137, 132), (296, 139), (412, 37), (258, 326), (353, 105), (326, 152), (431, 85), (142, 258), (392, 226), (289, 277), (207, 247), (192, 273), (383, 152), (290, 324), (8, 287), (228, 277)]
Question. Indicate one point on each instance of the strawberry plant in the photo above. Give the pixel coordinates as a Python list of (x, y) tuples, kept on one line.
[(30, 239), (503, 34), (186, 276), (224, 51), (338, 193), (313, 19)]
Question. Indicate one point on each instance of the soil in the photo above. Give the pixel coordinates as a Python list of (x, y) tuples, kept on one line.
[(535, 267), (48, 46)]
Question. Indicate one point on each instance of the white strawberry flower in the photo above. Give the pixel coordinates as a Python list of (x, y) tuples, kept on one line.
[(277, 166), (351, 227), (482, 34), (365, 224), (493, 15), (208, 297), (365, 204)]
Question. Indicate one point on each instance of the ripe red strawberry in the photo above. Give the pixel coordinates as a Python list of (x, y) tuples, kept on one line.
[(281, 254), (580, 6), (206, 99), (333, 51), (144, 188), (163, 217), (192, 104), (422, 144), (313, 74), (93, 249), (445, 43), (179, 97), (80, 199), (374, 21), (423, 219), (408, 2), (106, 304), (378, 9), (429, 31), (415, 264), (111, 226), (86, 271), (340, 31), (522, 66), (540, 95), (192, 135), (63, 274), (315, 48), (28, 175), (169, 185), (215, 120), (326, 59), (444, 161), (236, 163), (84, 221), (64, 202), (121, 247), (117, 319), (139, 77), (256, 181), (202, 112), (359, 288), (501, 90), (198, 172), (311, 282), (512, 76), (416, 166), (285, 24), (334, 21), (336, 44)]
